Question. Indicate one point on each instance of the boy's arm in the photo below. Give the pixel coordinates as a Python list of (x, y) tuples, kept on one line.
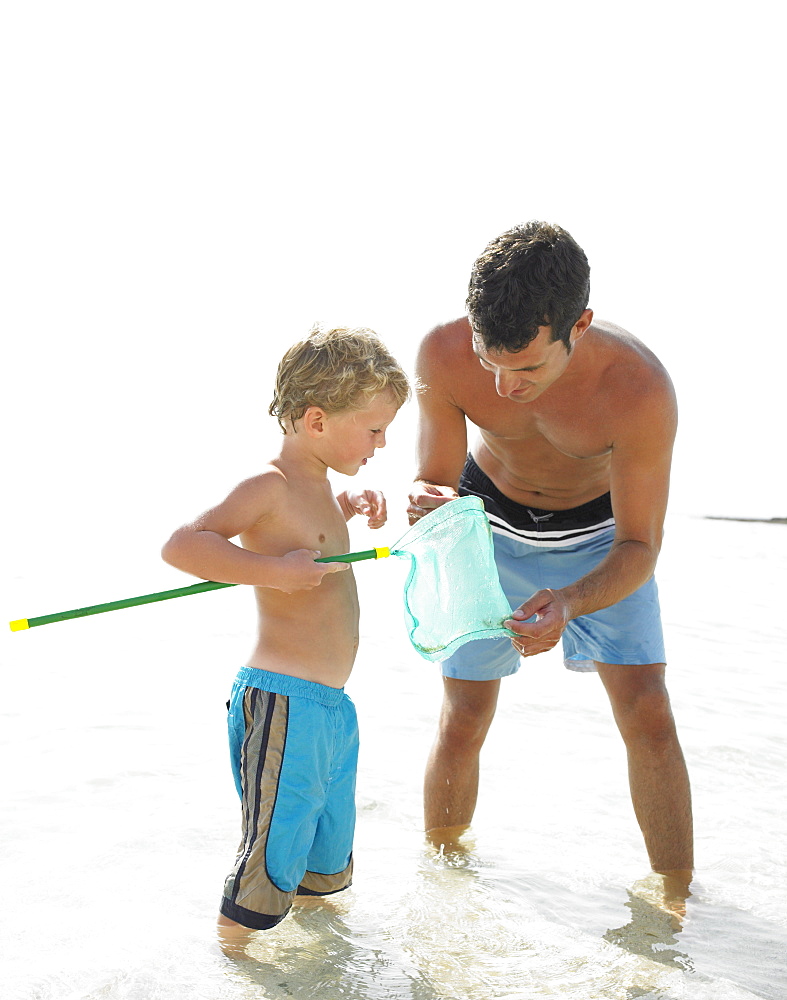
[(203, 546), (370, 504)]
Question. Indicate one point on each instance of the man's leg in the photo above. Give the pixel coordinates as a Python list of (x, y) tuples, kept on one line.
[(658, 778), (451, 786)]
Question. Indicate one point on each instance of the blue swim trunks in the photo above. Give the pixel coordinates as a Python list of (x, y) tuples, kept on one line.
[(294, 753), (536, 549)]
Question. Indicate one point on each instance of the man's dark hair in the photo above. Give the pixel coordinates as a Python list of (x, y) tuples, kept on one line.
[(533, 275)]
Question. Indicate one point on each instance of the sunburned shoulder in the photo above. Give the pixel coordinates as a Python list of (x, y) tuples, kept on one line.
[(623, 357), (450, 341), (620, 342), (455, 332), (635, 384)]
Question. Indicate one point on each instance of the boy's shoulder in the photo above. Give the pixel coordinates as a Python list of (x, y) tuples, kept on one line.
[(268, 484), (262, 493), (269, 476)]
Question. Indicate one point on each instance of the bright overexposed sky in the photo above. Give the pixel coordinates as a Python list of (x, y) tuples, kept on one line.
[(188, 186)]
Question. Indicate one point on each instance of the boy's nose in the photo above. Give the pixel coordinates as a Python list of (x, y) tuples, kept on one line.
[(380, 442)]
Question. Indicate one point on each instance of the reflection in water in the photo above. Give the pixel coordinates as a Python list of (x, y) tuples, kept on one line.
[(458, 927), (658, 907), (319, 955)]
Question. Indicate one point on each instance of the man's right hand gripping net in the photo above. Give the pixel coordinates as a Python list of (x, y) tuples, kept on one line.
[(452, 593)]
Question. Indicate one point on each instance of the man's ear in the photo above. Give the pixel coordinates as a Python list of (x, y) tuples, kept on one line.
[(314, 421), (581, 325)]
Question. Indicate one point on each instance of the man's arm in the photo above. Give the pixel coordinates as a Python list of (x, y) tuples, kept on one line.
[(441, 442), (203, 546), (639, 484)]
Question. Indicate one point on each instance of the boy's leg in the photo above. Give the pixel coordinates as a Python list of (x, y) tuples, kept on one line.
[(233, 937), (251, 898), (329, 866)]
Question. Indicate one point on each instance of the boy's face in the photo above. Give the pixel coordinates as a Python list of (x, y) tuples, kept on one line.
[(353, 436)]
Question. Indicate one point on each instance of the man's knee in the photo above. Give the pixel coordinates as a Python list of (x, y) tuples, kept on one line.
[(467, 712), (640, 702)]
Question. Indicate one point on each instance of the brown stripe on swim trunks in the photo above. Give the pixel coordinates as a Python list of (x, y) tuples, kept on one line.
[(261, 760)]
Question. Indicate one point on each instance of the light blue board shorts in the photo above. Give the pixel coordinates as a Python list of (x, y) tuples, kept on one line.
[(294, 755), (537, 549)]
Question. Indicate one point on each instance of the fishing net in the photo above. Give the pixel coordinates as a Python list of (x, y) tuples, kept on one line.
[(452, 593)]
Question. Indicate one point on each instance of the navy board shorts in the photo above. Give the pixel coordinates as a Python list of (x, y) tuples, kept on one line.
[(294, 755), (537, 549)]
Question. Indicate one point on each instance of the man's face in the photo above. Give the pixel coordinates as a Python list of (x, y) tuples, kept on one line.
[(524, 375)]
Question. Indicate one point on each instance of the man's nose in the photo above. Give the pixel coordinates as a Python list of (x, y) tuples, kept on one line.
[(505, 382)]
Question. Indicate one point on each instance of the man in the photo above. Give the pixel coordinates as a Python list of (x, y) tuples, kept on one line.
[(576, 422)]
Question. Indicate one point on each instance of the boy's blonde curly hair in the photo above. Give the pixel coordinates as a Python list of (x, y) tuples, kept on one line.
[(336, 369)]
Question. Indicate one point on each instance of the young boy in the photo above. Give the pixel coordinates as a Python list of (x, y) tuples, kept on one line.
[(293, 731)]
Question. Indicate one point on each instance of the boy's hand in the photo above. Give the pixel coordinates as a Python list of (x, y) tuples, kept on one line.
[(301, 572), (369, 504)]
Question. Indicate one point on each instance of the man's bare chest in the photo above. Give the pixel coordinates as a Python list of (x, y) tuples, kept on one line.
[(554, 430)]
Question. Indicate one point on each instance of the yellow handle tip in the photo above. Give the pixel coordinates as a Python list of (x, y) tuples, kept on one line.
[(382, 553), (19, 624)]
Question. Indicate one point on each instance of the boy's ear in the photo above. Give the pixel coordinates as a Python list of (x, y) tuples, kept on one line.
[(314, 421)]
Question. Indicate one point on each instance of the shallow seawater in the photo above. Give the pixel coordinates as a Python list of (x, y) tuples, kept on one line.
[(121, 819)]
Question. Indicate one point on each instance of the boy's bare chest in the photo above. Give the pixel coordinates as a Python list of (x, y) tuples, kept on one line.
[(307, 521)]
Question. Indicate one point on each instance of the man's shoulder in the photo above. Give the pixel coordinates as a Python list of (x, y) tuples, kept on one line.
[(454, 332), (634, 386), (619, 341), (452, 340), (622, 355)]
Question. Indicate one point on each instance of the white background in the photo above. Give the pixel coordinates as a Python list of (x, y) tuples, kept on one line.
[(188, 186)]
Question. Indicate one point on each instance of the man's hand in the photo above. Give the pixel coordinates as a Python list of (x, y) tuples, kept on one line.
[(369, 504), (551, 612), (425, 497), (299, 571)]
